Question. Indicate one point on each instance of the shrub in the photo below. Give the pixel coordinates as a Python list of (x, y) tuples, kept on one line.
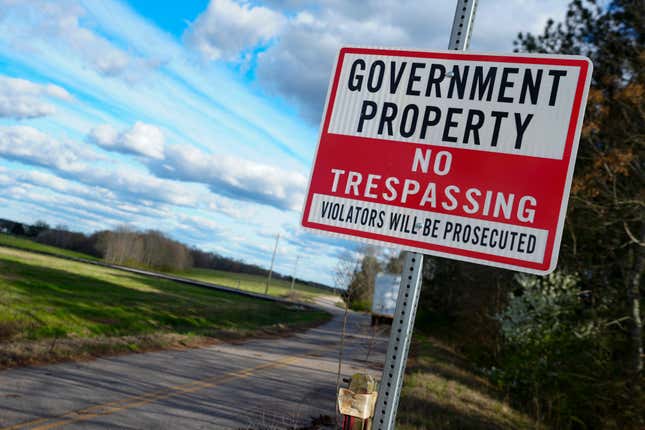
[(555, 355)]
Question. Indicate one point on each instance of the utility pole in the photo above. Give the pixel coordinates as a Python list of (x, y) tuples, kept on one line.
[(406, 306), (277, 239), (293, 276)]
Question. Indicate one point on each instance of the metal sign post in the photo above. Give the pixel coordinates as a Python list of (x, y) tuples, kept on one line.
[(409, 292), (399, 344)]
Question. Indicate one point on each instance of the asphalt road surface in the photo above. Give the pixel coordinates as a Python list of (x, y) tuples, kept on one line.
[(268, 384)]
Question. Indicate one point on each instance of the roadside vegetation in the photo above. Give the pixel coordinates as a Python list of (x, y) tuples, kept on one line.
[(53, 309), (566, 349), (442, 391), (496, 349)]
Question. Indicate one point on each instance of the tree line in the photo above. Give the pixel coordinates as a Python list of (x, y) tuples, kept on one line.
[(151, 249), (123, 246)]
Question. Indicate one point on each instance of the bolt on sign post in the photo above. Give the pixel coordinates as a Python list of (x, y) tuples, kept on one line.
[(462, 155)]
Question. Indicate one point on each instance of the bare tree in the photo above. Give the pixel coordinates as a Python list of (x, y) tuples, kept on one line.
[(148, 249)]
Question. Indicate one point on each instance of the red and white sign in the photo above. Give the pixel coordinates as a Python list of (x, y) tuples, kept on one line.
[(462, 155)]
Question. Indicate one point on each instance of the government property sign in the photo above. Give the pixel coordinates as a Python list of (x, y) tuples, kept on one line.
[(461, 155)]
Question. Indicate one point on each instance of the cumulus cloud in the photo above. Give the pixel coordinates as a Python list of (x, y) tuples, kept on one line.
[(55, 183), (177, 170), (63, 21), (147, 188), (140, 139), (233, 177), (22, 99), (225, 175), (298, 64), (73, 160), (29, 145), (227, 27)]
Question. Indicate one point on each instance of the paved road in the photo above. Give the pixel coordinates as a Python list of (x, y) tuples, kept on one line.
[(271, 383)]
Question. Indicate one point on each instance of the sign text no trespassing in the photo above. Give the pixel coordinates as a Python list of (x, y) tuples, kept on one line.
[(462, 155)]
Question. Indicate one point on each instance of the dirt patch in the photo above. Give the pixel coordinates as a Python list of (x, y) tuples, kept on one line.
[(10, 328)]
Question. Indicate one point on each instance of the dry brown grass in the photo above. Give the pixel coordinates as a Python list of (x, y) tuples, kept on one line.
[(30, 352), (33, 352), (441, 392)]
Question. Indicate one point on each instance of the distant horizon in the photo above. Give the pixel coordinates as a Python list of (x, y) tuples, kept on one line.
[(63, 227)]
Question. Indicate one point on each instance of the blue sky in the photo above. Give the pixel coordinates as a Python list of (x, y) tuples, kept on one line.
[(173, 17), (196, 118)]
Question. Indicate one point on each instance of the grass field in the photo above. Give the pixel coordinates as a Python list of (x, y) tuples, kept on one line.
[(53, 309), (30, 245), (242, 281), (440, 391), (254, 283)]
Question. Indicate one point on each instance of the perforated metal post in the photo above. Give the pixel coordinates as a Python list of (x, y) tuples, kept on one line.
[(400, 336), (462, 25), (408, 300)]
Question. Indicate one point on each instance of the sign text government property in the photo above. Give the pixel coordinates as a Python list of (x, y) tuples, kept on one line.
[(462, 155)]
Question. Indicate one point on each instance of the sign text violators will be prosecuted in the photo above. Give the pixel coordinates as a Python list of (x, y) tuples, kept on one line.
[(462, 155)]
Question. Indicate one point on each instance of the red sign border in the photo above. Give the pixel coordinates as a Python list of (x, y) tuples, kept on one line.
[(571, 147)]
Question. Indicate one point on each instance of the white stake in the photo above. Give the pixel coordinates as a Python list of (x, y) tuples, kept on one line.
[(277, 239), (295, 269)]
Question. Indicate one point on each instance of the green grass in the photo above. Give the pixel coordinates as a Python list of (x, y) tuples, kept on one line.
[(30, 245), (44, 299), (253, 283), (242, 281), (440, 391)]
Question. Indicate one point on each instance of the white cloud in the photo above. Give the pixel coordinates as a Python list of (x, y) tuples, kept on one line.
[(227, 27), (229, 176), (60, 185), (73, 161), (48, 197), (21, 99), (234, 177), (298, 64), (182, 171), (146, 188), (140, 139), (63, 21), (29, 145)]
